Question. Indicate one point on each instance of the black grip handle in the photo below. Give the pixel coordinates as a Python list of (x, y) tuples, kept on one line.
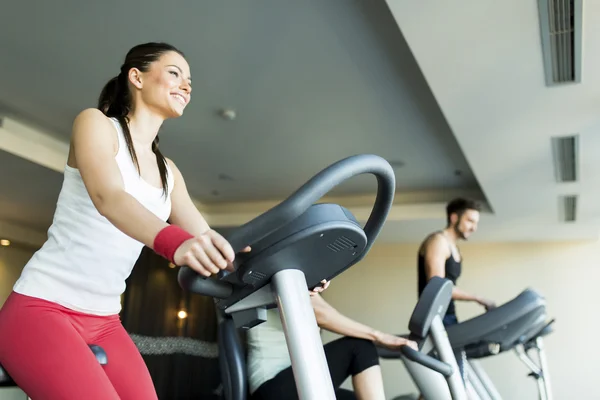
[(427, 361), (193, 282), (388, 354)]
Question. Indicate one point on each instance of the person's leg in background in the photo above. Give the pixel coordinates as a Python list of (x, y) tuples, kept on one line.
[(357, 358), (346, 357), (45, 353), (126, 368)]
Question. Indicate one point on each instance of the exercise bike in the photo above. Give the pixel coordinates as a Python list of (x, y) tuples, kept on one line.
[(295, 245)]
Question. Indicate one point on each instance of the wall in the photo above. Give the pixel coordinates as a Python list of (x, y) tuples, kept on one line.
[(12, 261), (381, 292)]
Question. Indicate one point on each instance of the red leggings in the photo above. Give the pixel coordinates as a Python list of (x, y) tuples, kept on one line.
[(44, 348)]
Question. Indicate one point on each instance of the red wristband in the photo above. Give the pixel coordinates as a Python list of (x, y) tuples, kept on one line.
[(168, 241)]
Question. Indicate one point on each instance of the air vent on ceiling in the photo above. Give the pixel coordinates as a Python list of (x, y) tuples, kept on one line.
[(560, 24), (568, 208), (566, 149)]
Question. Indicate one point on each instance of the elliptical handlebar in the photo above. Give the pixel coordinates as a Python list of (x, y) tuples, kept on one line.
[(317, 187), (427, 361), (295, 205)]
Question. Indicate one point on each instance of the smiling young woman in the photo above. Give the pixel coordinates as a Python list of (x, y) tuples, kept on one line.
[(118, 193)]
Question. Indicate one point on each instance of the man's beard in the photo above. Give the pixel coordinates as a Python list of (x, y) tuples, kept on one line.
[(460, 234)]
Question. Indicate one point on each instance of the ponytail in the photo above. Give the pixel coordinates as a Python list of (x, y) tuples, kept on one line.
[(115, 102), (162, 165)]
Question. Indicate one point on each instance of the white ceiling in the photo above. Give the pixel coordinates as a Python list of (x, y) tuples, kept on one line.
[(483, 63), (434, 86)]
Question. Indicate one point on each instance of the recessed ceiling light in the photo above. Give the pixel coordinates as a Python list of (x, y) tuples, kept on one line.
[(228, 114), (4, 242)]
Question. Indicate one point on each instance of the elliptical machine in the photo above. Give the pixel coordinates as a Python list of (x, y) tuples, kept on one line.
[(295, 245)]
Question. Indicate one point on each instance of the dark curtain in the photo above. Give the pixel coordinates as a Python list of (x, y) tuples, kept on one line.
[(181, 353)]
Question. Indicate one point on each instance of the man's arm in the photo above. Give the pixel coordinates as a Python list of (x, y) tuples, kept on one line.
[(331, 319), (436, 254)]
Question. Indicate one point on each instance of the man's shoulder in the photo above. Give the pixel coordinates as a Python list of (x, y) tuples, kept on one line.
[(435, 240), (433, 237)]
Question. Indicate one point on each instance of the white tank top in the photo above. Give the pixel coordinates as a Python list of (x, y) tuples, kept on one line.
[(267, 350), (85, 261)]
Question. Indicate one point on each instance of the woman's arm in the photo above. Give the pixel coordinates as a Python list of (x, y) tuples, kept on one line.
[(93, 145), (331, 319)]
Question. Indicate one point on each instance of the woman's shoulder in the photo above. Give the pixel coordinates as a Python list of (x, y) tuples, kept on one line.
[(91, 114), (91, 118), (172, 166), (91, 126)]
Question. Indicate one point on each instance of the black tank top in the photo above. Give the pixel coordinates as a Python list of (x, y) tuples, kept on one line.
[(453, 269)]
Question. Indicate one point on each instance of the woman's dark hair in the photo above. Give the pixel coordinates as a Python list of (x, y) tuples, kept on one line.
[(116, 100)]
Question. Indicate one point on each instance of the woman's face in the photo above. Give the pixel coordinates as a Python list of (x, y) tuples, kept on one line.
[(166, 87)]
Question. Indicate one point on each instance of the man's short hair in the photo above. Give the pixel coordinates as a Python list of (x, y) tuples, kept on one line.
[(459, 205)]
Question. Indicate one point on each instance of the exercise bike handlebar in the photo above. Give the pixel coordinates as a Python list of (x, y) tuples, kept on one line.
[(295, 205), (427, 361), (313, 190)]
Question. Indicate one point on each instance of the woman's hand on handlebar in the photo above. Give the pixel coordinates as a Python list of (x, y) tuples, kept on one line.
[(319, 289), (206, 254), (230, 266), (393, 342)]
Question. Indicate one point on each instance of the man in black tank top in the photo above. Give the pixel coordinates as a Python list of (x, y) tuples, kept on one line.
[(439, 256)]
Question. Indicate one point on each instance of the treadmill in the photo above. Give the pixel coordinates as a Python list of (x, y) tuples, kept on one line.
[(518, 325), (433, 368)]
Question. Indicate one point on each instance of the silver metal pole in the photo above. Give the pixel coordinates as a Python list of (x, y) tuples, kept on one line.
[(442, 345), (484, 378), (431, 384), (474, 386), (541, 389), (537, 371), (307, 355), (523, 356), (539, 344)]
